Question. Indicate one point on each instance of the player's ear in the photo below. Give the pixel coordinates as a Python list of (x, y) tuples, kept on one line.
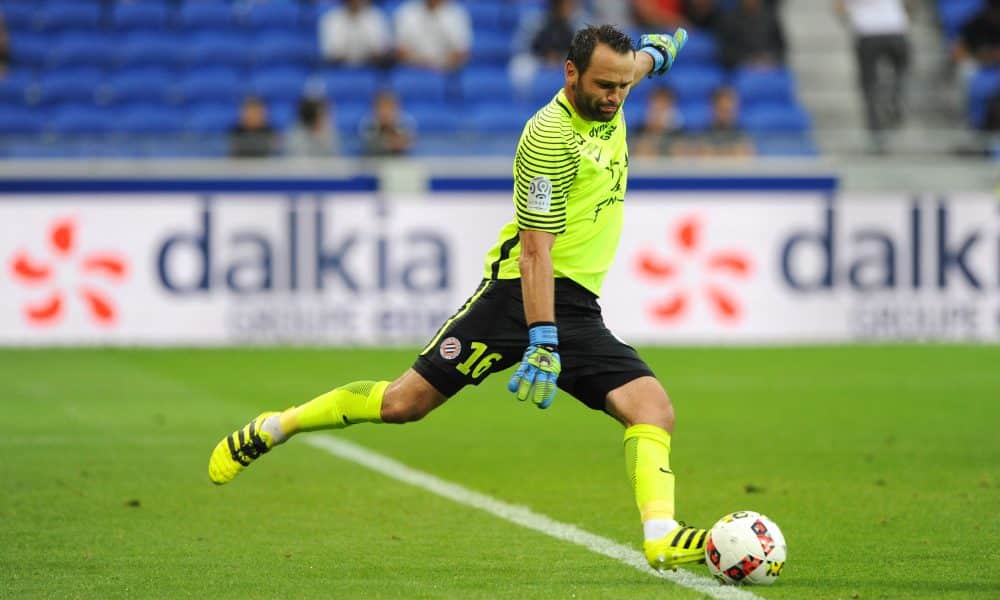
[(571, 72)]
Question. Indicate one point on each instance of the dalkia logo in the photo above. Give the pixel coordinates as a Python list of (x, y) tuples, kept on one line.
[(62, 266), (694, 273)]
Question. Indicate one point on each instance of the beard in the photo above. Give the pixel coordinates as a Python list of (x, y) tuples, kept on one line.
[(589, 107)]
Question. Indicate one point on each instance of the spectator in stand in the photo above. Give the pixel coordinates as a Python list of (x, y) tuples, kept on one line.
[(658, 15), (433, 33), (543, 38), (252, 136), (388, 131), (979, 38), (725, 137), (312, 136), (880, 29), (751, 36), (660, 132), (355, 33), (702, 14)]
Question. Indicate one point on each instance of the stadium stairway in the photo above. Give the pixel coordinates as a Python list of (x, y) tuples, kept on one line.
[(821, 55)]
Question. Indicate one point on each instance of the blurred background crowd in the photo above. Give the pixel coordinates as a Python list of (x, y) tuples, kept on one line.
[(258, 78)]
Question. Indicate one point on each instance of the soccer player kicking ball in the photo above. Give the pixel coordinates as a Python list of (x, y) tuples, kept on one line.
[(541, 282)]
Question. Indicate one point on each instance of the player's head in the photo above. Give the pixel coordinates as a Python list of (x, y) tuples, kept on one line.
[(599, 71)]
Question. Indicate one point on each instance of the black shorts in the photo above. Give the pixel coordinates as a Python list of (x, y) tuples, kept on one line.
[(488, 334)]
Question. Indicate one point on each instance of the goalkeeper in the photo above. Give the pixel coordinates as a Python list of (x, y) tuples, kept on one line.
[(537, 303)]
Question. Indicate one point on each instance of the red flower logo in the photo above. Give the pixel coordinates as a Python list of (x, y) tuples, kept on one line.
[(709, 268), (62, 243)]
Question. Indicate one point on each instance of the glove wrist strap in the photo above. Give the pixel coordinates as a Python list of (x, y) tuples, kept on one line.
[(543, 334), (658, 59)]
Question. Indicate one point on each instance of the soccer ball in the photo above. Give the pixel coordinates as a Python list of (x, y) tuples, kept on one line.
[(745, 547)]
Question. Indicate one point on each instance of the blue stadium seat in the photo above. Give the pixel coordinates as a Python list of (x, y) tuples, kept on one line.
[(79, 49), (434, 117), (281, 84), (348, 117), (701, 48), (19, 16), (479, 84), (214, 84), (346, 85), (284, 48), (14, 87), (150, 49), (16, 120), (148, 119), (129, 16), (760, 86), (76, 85), (490, 48), (500, 118), (955, 13), (419, 84), (785, 144), (29, 49), (210, 48), (200, 15), (547, 82), (282, 113), (68, 15), (212, 117), (694, 82), (775, 118), (982, 86), (697, 116), (150, 84), (76, 119), (487, 16), (273, 15)]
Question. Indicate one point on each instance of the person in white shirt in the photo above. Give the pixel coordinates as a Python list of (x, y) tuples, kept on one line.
[(433, 33), (355, 33), (880, 33)]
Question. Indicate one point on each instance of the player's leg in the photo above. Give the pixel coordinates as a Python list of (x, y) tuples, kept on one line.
[(485, 335), (608, 375), (409, 398), (643, 407)]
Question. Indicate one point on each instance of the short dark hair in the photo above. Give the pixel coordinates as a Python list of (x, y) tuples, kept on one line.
[(310, 110), (585, 40)]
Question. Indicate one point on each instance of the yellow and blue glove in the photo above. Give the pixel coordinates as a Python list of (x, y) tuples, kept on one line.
[(663, 49), (540, 366)]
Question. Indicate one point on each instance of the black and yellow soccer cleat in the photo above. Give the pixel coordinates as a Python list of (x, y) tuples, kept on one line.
[(682, 545), (238, 449)]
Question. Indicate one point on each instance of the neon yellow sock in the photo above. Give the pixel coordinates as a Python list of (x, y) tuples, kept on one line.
[(356, 402), (647, 459)]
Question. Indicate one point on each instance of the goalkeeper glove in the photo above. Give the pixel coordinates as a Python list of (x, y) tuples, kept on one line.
[(540, 366), (663, 49)]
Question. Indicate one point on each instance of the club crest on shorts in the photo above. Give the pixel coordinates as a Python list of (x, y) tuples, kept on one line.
[(450, 348)]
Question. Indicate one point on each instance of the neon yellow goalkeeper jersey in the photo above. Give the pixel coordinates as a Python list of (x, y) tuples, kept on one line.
[(569, 179)]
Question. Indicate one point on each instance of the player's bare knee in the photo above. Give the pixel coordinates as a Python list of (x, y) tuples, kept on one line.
[(642, 400), (409, 399)]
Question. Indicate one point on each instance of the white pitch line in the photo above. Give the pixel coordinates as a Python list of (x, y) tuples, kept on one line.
[(520, 515)]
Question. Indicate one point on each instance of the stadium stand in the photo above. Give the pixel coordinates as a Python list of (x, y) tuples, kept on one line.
[(116, 74)]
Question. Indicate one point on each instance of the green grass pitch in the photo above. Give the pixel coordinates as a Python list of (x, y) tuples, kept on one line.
[(879, 463)]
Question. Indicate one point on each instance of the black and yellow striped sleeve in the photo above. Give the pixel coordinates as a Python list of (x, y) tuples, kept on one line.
[(545, 166)]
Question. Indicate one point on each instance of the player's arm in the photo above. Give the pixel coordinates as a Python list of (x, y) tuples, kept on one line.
[(544, 169), (537, 277), (536, 377), (657, 53)]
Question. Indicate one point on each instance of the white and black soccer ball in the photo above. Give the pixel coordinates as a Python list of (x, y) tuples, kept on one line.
[(745, 547)]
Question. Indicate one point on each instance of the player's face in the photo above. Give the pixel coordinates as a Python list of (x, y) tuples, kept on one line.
[(599, 91)]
